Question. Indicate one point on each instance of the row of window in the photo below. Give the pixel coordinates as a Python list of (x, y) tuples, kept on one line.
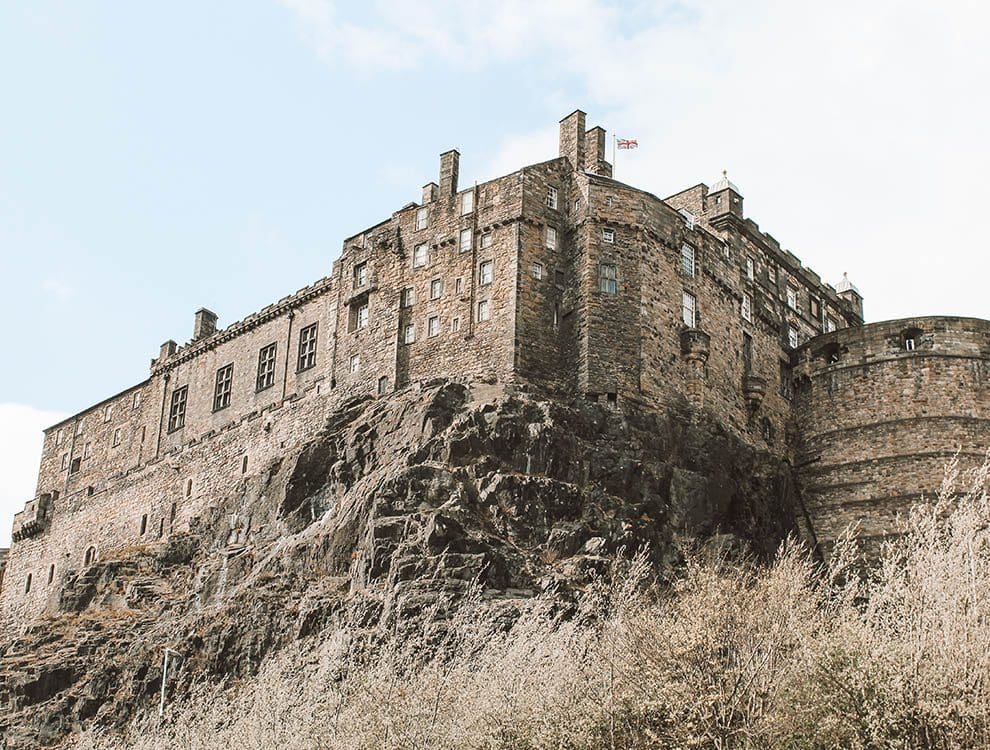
[(107, 417), (466, 204)]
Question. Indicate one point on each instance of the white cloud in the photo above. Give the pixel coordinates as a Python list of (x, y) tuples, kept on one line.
[(20, 456)]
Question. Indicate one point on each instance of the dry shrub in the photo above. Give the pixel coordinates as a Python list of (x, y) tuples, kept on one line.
[(731, 655)]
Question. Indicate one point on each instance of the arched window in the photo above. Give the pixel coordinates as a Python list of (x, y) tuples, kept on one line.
[(90, 557), (831, 353)]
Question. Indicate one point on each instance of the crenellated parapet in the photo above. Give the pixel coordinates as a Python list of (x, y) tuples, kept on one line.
[(33, 519)]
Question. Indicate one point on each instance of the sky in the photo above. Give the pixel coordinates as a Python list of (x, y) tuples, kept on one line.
[(160, 157)]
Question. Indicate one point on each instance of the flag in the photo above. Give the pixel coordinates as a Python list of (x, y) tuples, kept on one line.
[(627, 143)]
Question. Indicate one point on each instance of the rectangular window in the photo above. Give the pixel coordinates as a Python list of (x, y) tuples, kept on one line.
[(419, 256), (409, 334), (382, 385), (177, 409), (551, 197), (422, 218), (458, 286), (362, 316), (107, 413), (750, 269), (357, 317), (116, 438), (360, 275), (467, 202), (74, 466), (436, 288), (486, 240), (608, 278), (814, 308), (355, 363), (87, 449), (747, 353), (558, 278), (221, 392), (792, 337), (747, 307), (464, 244), (608, 236), (79, 428), (407, 297), (486, 272), (551, 238), (484, 312), (792, 297), (433, 326), (689, 309), (307, 348), (538, 271), (609, 200), (65, 460), (60, 437), (266, 367), (455, 325), (771, 274), (136, 401), (687, 260), (829, 324)]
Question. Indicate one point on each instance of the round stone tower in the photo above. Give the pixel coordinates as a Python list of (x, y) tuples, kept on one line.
[(879, 410)]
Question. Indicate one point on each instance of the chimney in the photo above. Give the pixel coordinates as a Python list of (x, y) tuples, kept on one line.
[(205, 325), (167, 350), (449, 164), (429, 192), (572, 138), (594, 155)]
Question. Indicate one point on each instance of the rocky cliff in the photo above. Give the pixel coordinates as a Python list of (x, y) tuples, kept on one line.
[(398, 501)]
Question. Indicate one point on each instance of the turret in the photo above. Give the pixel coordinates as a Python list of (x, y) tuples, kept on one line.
[(724, 198), (851, 296)]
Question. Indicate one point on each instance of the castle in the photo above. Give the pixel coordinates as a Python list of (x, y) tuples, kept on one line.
[(557, 277)]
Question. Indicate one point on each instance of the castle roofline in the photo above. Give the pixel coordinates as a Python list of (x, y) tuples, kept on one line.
[(98, 404)]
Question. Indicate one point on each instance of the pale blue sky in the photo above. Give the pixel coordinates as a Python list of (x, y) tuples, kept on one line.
[(155, 158)]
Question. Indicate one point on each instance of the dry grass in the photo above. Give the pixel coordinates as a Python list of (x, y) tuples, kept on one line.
[(733, 655)]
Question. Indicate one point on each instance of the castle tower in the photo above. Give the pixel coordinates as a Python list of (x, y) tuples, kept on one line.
[(724, 198)]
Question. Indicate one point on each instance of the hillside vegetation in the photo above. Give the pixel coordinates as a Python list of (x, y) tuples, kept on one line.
[(726, 653)]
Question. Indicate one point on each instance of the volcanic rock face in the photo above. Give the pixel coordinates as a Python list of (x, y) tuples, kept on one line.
[(398, 503)]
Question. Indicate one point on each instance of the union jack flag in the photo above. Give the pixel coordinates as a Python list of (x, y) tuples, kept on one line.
[(626, 143)]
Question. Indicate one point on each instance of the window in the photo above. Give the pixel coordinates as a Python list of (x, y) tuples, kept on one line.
[(65, 460), (464, 244), (107, 413), (87, 449), (355, 365), (51, 573), (829, 324), (136, 400), (359, 317), (747, 353), (455, 325), (407, 297), (436, 288), (909, 344), (177, 409), (609, 200), (360, 275), (608, 236), (161, 528), (910, 338), (608, 278), (307, 348), (116, 438), (382, 385), (786, 382), (458, 286), (750, 269), (484, 312), (419, 256), (433, 326), (558, 278), (793, 340), (747, 308), (486, 240), (467, 202), (551, 238), (815, 308), (409, 335), (27, 583), (74, 466), (726, 253), (551, 197), (266, 367), (486, 272), (687, 260), (144, 524), (60, 437), (538, 271), (221, 393), (422, 218), (689, 309), (792, 297), (771, 274), (189, 485), (79, 428), (556, 314), (90, 556)]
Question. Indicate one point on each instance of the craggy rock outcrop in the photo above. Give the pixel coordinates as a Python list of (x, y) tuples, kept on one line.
[(398, 500)]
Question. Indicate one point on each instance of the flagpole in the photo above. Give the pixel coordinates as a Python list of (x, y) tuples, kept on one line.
[(613, 156)]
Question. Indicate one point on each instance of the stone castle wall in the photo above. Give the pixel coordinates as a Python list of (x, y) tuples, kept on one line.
[(510, 280), (880, 409)]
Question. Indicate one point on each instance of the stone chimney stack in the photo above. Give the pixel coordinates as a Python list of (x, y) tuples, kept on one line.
[(572, 138), (205, 325), (595, 155), (429, 192), (449, 165), (167, 350)]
